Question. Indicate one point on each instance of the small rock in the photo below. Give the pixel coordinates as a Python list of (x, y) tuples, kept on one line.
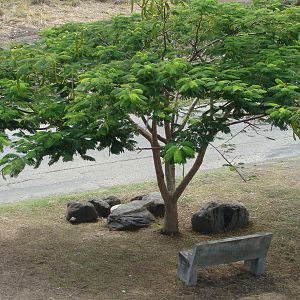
[(114, 207), (112, 200), (81, 212), (155, 204), (102, 208), (152, 197), (140, 197), (215, 217)]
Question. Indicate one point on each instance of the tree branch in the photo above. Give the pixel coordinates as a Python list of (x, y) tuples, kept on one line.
[(169, 168), (159, 137), (189, 176), (168, 132), (246, 120), (146, 123), (157, 164), (144, 133), (203, 50), (230, 164), (233, 136), (188, 114), (147, 148), (174, 115), (256, 128), (165, 34), (195, 44)]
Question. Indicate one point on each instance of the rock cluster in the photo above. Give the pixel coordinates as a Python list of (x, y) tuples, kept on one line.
[(142, 210), (138, 213)]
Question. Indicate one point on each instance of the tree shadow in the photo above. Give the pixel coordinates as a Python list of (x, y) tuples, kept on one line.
[(61, 261)]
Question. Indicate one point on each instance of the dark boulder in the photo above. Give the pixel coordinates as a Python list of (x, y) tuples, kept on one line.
[(155, 204), (78, 212), (152, 201), (102, 208), (215, 217), (126, 218), (112, 200), (157, 209)]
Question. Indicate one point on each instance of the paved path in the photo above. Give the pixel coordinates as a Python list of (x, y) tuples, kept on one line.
[(79, 175)]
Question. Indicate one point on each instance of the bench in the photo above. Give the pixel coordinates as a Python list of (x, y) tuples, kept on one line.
[(250, 248)]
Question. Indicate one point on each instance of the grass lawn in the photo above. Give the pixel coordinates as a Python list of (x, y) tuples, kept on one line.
[(44, 257)]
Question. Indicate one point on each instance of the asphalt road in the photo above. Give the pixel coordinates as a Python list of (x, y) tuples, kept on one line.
[(132, 167)]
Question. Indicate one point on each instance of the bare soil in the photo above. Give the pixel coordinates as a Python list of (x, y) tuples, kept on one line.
[(20, 20), (44, 257)]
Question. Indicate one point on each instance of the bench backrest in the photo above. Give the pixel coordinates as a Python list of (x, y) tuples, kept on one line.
[(231, 249)]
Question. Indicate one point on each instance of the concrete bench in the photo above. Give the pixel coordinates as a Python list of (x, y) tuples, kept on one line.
[(250, 248)]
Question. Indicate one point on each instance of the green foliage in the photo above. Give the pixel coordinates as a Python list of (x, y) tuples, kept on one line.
[(83, 85), (178, 154)]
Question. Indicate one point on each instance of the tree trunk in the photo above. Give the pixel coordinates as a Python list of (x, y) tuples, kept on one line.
[(170, 226), (170, 176)]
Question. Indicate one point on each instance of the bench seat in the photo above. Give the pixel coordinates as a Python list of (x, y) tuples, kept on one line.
[(252, 249)]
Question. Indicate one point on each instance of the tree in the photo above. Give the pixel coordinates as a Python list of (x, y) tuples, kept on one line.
[(83, 86)]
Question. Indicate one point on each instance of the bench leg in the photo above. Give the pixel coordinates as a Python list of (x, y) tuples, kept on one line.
[(183, 269), (192, 277), (187, 274), (256, 266)]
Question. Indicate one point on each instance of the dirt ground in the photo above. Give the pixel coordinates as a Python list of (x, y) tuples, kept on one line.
[(20, 20), (42, 256)]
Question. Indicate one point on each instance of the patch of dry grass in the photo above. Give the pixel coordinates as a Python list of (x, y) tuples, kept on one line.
[(21, 19), (56, 12), (43, 256)]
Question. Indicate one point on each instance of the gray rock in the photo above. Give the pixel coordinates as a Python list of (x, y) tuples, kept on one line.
[(215, 217), (137, 213), (81, 212), (132, 221), (114, 207), (102, 208), (152, 197), (139, 197), (112, 200), (127, 208), (155, 204), (123, 218)]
